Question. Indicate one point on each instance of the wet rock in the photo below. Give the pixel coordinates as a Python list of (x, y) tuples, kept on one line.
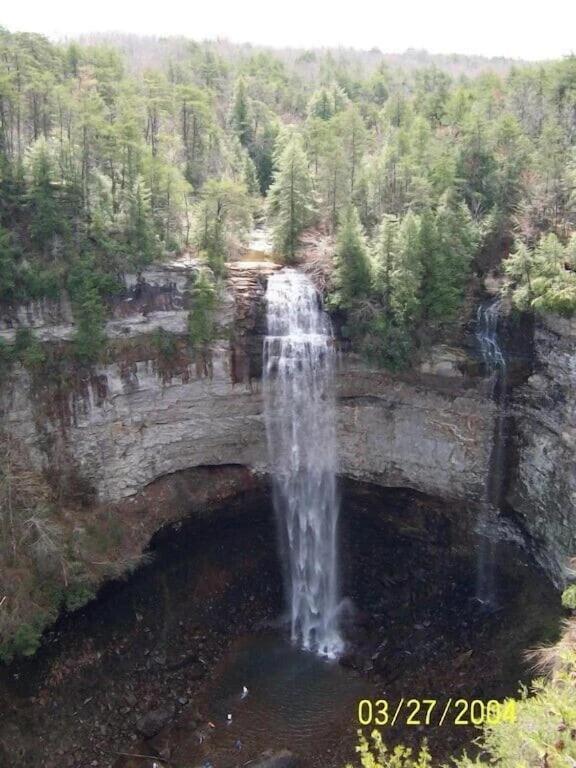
[(153, 721), (197, 671), (131, 699), (187, 660), (282, 759)]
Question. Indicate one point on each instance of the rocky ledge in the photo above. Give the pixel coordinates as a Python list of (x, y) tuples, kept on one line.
[(139, 417), (543, 486)]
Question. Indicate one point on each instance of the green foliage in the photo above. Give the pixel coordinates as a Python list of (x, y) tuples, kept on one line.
[(449, 241), (102, 160), (28, 350), (290, 197), (8, 268), (201, 326), (77, 595), (222, 219), (545, 722), (46, 220), (327, 102), (6, 357), (406, 277), (541, 732), (569, 597), (373, 753), (87, 288), (241, 117), (352, 275), (25, 642), (141, 237), (165, 344), (396, 286), (543, 279)]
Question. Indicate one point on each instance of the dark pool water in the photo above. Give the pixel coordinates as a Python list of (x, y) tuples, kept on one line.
[(190, 631), (295, 700)]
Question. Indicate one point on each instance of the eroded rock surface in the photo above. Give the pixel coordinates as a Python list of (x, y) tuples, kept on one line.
[(140, 417), (543, 489)]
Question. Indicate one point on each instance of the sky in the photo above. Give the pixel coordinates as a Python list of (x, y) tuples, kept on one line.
[(514, 28)]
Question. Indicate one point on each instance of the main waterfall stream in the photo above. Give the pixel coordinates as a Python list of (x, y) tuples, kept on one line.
[(300, 427)]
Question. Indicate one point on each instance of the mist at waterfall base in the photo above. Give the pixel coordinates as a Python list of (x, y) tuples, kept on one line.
[(300, 427), (495, 364)]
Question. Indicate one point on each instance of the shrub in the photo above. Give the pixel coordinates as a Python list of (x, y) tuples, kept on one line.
[(77, 595), (569, 598), (201, 318), (375, 754), (25, 642), (165, 344), (28, 349)]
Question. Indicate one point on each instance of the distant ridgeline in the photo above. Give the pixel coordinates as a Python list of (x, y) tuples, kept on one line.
[(420, 172)]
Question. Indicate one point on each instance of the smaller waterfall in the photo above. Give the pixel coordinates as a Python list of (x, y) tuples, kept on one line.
[(495, 362), (301, 431)]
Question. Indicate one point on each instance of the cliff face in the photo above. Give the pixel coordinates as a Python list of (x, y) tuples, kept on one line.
[(139, 418), (146, 413), (543, 483)]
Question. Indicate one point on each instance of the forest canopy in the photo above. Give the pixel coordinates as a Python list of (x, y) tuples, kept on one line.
[(419, 178)]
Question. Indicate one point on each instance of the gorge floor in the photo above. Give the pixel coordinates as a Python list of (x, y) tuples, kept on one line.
[(144, 668)]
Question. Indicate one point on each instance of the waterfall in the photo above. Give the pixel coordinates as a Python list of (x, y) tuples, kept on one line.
[(487, 336), (301, 433)]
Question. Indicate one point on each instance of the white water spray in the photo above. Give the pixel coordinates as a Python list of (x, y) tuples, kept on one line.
[(301, 431)]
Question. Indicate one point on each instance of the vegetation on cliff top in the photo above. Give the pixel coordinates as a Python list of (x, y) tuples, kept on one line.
[(109, 164)]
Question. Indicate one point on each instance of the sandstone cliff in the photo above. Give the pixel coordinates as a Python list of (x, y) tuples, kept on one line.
[(543, 483), (139, 417)]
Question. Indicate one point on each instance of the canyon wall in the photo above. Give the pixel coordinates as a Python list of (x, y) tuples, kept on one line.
[(139, 417), (543, 483), (134, 420)]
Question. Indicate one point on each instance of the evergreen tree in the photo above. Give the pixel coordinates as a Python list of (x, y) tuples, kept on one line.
[(543, 279), (141, 239), (8, 268), (448, 248), (222, 219), (406, 279), (352, 274), (291, 198), (241, 117), (45, 217), (86, 287), (385, 258), (201, 317)]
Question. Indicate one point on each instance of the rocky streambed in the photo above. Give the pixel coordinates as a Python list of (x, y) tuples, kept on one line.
[(150, 672)]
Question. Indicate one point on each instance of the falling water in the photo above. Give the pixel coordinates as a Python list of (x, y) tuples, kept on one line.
[(495, 362), (300, 427)]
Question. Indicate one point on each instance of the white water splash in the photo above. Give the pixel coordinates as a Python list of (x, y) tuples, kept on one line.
[(301, 431)]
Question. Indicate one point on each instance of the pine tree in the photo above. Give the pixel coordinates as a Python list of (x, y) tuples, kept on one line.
[(241, 117), (388, 337), (8, 267), (406, 279), (46, 220), (141, 239), (448, 248), (89, 312), (352, 265), (291, 198), (201, 317), (223, 217), (385, 258)]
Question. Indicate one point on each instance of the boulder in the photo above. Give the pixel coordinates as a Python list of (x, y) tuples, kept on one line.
[(153, 721)]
